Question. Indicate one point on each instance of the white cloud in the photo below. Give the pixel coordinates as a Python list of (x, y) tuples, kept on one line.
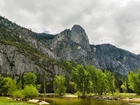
[(105, 21)]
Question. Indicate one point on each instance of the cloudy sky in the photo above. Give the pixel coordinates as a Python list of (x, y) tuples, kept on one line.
[(106, 21)]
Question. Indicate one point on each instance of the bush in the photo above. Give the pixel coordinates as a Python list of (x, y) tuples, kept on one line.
[(19, 94), (30, 91), (78, 93)]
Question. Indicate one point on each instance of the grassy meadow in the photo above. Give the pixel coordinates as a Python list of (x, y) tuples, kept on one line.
[(8, 101)]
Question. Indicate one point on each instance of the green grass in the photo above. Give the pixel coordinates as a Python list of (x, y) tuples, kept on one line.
[(6, 101)]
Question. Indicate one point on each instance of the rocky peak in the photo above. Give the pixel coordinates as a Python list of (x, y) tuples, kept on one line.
[(76, 35), (79, 36), (71, 44), (77, 29)]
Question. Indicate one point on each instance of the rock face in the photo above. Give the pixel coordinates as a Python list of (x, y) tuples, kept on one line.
[(12, 29), (73, 45), (15, 63), (112, 58), (70, 44)]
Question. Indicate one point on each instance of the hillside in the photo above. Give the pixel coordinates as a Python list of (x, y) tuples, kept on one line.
[(19, 53), (39, 49)]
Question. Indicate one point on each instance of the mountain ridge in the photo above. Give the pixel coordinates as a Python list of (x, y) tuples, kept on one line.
[(73, 45)]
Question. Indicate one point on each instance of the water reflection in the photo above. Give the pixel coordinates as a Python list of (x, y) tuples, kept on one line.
[(78, 101)]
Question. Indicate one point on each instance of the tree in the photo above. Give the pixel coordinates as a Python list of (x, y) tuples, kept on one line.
[(81, 78), (134, 81), (29, 78), (68, 66), (110, 81), (44, 82), (101, 82), (2, 89), (10, 85), (93, 77), (72, 87), (59, 85), (30, 91), (19, 85), (123, 87)]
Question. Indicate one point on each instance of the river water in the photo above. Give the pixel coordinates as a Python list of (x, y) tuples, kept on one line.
[(78, 101)]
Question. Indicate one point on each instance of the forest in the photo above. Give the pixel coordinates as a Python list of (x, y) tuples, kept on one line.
[(83, 81)]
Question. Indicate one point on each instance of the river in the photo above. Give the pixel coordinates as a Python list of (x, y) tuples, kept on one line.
[(78, 101)]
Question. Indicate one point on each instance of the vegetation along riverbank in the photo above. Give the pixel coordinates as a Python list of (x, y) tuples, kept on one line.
[(84, 82)]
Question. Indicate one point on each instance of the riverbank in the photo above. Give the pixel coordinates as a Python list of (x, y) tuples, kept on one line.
[(38, 102), (41, 100), (10, 101), (67, 95), (133, 100)]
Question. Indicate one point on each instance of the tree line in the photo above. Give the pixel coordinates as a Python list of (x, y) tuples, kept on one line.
[(21, 89), (88, 79), (82, 80)]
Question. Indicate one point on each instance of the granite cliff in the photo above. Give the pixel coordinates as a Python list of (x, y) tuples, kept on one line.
[(70, 44), (21, 52)]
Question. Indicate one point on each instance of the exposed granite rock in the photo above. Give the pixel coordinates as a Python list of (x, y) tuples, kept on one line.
[(15, 63), (115, 59), (70, 45), (25, 34), (73, 45)]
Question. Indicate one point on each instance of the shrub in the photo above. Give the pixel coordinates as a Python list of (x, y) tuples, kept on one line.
[(30, 91), (19, 94), (78, 93)]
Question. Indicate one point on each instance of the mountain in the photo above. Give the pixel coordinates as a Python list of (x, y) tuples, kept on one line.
[(39, 52), (74, 45), (21, 52), (115, 59)]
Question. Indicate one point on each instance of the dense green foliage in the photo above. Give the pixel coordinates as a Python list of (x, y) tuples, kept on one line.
[(30, 91), (101, 82), (81, 78), (3, 91), (110, 81), (134, 81), (19, 94), (59, 85), (91, 80), (10, 87), (29, 78)]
